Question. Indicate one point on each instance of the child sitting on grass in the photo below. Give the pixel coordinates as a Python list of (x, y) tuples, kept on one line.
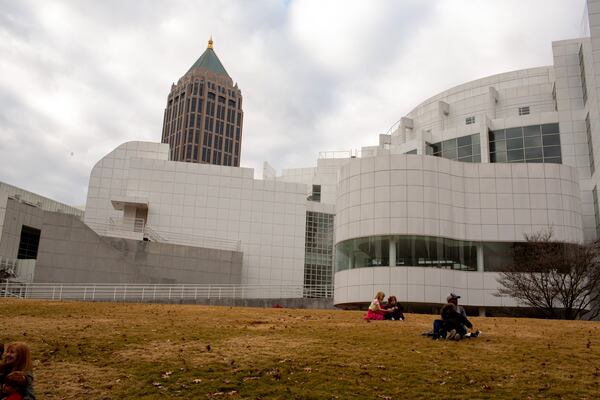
[(376, 311), (14, 385)]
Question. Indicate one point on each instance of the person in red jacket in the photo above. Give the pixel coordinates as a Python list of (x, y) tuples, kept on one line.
[(14, 384)]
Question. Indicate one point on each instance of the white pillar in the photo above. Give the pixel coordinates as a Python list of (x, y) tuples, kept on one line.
[(480, 257), (482, 311), (392, 254)]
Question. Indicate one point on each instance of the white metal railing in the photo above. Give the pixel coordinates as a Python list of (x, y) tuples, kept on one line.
[(136, 228), (198, 240), (159, 292), (9, 265), (112, 226), (340, 154), (127, 224)]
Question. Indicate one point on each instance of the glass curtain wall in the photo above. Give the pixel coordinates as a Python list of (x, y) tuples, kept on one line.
[(408, 250), (531, 144)]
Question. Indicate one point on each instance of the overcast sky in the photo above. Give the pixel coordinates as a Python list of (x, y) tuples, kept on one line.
[(78, 78)]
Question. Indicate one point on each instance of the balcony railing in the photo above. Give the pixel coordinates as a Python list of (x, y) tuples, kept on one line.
[(159, 292), (136, 229)]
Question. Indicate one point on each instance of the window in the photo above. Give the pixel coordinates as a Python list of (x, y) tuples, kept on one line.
[(596, 211), (469, 120), (582, 75), (534, 143), (318, 253), (419, 251), (315, 194), (588, 130), (29, 243), (464, 148), (524, 110)]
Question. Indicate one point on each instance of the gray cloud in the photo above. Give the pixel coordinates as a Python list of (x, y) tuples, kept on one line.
[(82, 77)]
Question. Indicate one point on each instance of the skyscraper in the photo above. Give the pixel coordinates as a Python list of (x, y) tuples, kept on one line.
[(203, 118)]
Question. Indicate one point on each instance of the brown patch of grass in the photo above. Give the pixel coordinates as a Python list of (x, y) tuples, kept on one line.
[(114, 351)]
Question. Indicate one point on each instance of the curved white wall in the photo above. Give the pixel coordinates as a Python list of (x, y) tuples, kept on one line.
[(425, 195), (418, 285)]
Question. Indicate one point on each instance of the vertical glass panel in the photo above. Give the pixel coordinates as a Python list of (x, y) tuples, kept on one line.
[(550, 128), (533, 130), (551, 140), (512, 144), (515, 155), (533, 141), (514, 133), (464, 141)]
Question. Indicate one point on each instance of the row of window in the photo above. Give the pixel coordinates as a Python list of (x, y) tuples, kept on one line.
[(534, 143), (465, 148), (409, 250), (423, 251)]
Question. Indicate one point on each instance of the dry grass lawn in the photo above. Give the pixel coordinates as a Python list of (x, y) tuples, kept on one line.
[(146, 351)]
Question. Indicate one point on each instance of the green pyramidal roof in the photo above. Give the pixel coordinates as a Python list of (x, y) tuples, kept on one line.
[(210, 61)]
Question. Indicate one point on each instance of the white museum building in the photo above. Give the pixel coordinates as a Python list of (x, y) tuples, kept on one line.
[(434, 207)]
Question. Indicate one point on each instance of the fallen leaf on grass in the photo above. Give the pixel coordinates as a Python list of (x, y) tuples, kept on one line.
[(250, 378), (197, 380), (308, 369), (166, 374)]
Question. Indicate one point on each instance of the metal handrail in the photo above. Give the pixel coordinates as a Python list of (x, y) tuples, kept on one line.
[(159, 292), (112, 226), (340, 154)]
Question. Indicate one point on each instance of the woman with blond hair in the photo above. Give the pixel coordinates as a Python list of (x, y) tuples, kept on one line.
[(376, 311), (18, 358)]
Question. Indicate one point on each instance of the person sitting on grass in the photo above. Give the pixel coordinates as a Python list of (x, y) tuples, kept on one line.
[(376, 311), (18, 358), (14, 386), (455, 319), (396, 313)]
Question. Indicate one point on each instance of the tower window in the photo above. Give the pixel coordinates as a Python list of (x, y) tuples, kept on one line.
[(469, 120)]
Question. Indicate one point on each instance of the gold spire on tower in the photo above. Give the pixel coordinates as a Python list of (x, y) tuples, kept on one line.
[(210, 42)]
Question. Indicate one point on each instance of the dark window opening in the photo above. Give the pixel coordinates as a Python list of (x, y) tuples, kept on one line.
[(30, 241)]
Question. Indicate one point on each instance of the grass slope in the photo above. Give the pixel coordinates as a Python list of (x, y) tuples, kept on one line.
[(146, 351)]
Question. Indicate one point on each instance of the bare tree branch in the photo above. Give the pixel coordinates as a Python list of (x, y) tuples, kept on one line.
[(560, 280)]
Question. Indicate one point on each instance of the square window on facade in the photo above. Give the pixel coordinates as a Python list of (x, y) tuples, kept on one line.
[(469, 120)]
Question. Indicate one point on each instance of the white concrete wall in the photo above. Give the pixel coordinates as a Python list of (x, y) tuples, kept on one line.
[(33, 199), (419, 285), (425, 195), (267, 217)]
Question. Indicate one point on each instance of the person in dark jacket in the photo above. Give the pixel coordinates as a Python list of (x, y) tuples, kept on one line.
[(453, 323), (18, 358), (397, 311)]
